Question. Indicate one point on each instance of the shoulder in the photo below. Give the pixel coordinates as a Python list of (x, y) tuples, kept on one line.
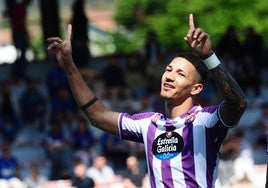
[(207, 115), (91, 171), (108, 168), (209, 109), (136, 120)]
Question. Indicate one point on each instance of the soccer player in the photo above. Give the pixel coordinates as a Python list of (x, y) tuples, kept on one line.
[(182, 145)]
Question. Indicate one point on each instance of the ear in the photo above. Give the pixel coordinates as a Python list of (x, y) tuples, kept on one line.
[(197, 88)]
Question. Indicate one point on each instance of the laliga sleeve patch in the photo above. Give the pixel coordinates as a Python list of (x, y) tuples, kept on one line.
[(167, 145)]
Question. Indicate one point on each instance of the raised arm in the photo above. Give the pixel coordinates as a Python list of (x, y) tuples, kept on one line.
[(235, 101), (93, 108)]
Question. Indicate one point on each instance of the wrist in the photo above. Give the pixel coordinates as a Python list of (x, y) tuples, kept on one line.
[(70, 68), (212, 61)]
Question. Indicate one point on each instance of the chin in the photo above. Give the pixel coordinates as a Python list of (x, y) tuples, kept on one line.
[(164, 95)]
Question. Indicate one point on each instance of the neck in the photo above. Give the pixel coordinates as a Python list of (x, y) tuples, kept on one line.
[(175, 110)]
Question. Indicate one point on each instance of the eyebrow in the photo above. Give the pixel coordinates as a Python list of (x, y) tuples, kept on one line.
[(179, 70), (168, 66), (186, 74)]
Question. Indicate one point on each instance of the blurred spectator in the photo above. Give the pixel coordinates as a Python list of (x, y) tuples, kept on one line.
[(80, 36), (230, 43), (153, 56), (135, 78), (234, 66), (253, 44), (82, 141), (9, 170), (115, 149), (55, 79), (258, 134), (34, 179), (16, 11), (252, 57), (250, 77), (137, 149), (152, 49), (226, 162), (79, 179), (103, 175), (154, 74), (17, 87), (152, 102), (114, 81), (33, 104), (10, 120), (132, 175), (243, 163), (56, 145), (63, 105)]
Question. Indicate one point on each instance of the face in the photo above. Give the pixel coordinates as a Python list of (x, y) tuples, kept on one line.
[(99, 162), (132, 162), (80, 169), (180, 80)]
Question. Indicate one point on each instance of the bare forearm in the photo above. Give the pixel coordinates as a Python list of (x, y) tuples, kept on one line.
[(97, 113), (81, 92)]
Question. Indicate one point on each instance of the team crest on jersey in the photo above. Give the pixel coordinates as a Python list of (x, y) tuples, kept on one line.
[(190, 118), (167, 145)]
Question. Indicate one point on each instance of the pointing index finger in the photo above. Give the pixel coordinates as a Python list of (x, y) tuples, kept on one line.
[(69, 32), (191, 21)]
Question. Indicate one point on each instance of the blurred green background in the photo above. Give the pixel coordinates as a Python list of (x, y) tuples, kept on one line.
[(132, 19)]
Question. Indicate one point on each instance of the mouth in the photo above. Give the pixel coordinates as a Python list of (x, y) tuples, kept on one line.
[(167, 86)]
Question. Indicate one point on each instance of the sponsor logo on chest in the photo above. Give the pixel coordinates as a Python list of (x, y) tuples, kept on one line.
[(167, 145)]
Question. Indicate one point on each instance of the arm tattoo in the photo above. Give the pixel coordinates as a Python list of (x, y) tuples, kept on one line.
[(235, 99)]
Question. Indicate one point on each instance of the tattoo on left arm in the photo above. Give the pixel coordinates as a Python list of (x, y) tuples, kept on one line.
[(235, 99)]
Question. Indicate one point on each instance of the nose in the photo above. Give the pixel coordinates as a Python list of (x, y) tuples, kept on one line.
[(169, 76)]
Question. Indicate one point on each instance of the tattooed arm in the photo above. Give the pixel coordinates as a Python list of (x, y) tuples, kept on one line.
[(235, 101)]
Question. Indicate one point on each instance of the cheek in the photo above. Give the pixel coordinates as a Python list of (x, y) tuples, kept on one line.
[(162, 80), (182, 84), (183, 87), (163, 77)]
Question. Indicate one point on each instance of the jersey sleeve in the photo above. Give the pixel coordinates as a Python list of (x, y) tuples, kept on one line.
[(211, 117), (134, 126)]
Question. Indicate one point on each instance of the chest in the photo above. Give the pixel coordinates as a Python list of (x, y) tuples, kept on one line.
[(166, 144)]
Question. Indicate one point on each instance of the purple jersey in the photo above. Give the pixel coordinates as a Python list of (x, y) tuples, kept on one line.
[(182, 152)]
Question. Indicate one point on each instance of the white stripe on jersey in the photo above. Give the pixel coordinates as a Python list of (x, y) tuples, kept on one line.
[(200, 154), (157, 164), (177, 174)]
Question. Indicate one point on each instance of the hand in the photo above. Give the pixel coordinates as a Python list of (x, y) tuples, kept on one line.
[(198, 40), (62, 48)]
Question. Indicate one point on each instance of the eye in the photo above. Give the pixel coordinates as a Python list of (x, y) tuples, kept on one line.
[(168, 69), (181, 74)]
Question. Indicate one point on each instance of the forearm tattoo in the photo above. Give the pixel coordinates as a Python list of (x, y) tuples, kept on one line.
[(235, 99)]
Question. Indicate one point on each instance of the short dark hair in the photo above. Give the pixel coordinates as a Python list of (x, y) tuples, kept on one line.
[(197, 62)]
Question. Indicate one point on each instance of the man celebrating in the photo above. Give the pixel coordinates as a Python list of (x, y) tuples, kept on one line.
[(182, 145)]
